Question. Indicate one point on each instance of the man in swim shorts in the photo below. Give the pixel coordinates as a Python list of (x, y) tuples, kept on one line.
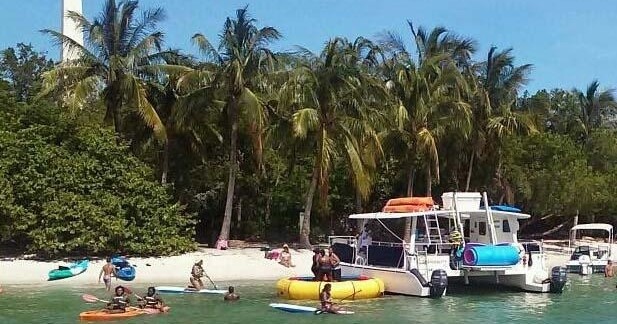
[(107, 272), (609, 270)]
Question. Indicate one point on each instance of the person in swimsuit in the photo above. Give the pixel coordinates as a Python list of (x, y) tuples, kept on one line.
[(315, 265), (327, 306), (119, 301), (107, 272), (153, 300), (336, 265), (231, 294), (325, 267), (196, 274), (608, 270), (285, 257)]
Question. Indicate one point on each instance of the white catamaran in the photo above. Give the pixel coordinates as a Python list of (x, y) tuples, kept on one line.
[(488, 251)]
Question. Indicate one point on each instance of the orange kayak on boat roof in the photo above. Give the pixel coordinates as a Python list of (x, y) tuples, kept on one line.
[(427, 201), (104, 315)]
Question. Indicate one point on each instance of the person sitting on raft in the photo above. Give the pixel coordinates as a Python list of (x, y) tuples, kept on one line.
[(231, 294), (327, 306), (325, 267), (285, 257), (196, 273), (119, 301), (152, 300)]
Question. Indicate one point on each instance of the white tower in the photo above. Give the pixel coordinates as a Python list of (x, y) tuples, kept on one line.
[(70, 28)]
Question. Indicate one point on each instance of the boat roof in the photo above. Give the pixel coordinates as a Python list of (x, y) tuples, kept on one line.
[(593, 226), (441, 213)]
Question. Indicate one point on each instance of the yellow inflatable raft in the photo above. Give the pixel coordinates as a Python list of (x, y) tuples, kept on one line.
[(349, 288)]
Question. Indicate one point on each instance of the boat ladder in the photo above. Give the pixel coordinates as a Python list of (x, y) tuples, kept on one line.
[(432, 229)]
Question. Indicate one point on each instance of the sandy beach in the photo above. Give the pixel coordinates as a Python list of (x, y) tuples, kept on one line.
[(220, 265)]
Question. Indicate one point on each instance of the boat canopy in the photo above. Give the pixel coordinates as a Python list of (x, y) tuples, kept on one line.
[(593, 226), (440, 213)]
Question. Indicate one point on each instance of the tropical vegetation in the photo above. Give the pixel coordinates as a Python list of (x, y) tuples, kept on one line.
[(144, 149)]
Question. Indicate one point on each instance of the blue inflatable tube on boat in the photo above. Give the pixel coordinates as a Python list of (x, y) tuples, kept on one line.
[(490, 255)]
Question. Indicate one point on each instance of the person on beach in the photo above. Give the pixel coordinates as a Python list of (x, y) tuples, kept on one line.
[(119, 301), (152, 300), (608, 270), (285, 257), (336, 264), (231, 294), (107, 272), (196, 274), (315, 265), (327, 306), (325, 267)]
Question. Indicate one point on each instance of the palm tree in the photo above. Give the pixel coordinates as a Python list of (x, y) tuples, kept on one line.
[(428, 91), (496, 85), (121, 46), (593, 104), (242, 58), (331, 92)]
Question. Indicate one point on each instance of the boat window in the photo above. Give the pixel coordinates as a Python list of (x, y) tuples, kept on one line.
[(506, 226), (482, 228)]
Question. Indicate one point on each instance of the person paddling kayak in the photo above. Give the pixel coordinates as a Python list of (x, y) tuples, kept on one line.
[(153, 300), (327, 306), (196, 274), (119, 302)]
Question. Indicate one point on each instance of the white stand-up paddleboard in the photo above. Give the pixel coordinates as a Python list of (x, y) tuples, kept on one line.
[(183, 290), (302, 309)]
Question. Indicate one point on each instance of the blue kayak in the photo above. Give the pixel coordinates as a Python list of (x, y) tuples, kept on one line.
[(124, 270)]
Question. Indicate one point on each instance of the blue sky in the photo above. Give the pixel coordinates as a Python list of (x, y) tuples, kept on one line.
[(569, 42)]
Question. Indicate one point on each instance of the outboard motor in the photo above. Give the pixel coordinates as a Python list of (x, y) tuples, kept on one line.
[(439, 283), (559, 277)]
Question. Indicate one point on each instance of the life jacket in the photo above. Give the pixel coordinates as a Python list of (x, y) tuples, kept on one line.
[(119, 302), (151, 300)]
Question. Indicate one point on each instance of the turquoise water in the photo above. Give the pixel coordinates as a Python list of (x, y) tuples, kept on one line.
[(585, 300)]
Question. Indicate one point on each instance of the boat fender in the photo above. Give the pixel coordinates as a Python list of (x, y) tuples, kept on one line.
[(530, 261), (559, 277), (439, 283)]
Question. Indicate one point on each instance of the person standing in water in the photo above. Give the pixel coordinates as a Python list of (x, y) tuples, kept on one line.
[(325, 267), (608, 270), (336, 265), (107, 272), (231, 294), (196, 274), (327, 306)]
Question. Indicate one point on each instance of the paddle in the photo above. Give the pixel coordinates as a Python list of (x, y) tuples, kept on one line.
[(320, 311), (212, 282)]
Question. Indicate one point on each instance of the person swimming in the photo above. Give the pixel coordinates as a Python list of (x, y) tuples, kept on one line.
[(231, 294), (609, 271)]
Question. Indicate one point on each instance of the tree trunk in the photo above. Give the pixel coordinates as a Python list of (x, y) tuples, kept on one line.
[(233, 166), (165, 166), (471, 160), (410, 182), (359, 222), (429, 182), (305, 230)]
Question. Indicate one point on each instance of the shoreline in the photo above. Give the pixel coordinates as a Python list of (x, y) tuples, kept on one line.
[(246, 264)]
